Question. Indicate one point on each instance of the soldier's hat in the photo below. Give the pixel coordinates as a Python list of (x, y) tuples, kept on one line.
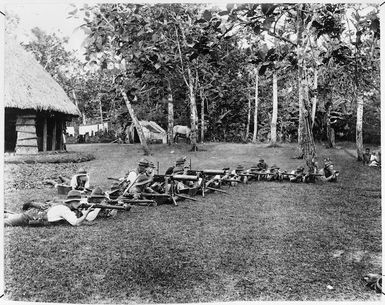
[(115, 186), (97, 192), (180, 161), (300, 169), (82, 171), (328, 162), (254, 168), (261, 160), (73, 195), (151, 164), (274, 166), (226, 168), (143, 162), (142, 179), (239, 168), (178, 169)]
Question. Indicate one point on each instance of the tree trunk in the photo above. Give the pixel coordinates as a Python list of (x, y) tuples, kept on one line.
[(305, 134), (100, 110), (248, 117), (75, 99), (170, 127), (360, 106), (256, 107), (330, 139), (202, 115), (76, 121), (190, 85), (193, 111), (359, 141), (300, 57), (136, 124), (314, 98), (273, 129)]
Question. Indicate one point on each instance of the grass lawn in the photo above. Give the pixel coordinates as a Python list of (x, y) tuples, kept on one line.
[(262, 241)]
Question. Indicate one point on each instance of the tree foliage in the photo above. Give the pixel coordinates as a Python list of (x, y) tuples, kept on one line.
[(148, 49)]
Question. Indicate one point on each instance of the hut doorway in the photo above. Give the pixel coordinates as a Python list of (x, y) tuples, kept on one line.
[(136, 138), (49, 128), (10, 134)]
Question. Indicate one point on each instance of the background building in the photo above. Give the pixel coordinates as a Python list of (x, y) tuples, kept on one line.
[(36, 107)]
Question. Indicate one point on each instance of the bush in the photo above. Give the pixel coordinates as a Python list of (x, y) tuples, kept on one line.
[(50, 157)]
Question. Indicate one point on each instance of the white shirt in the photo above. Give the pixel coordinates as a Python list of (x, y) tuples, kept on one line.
[(60, 212), (74, 181), (373, 158), (131, 178)]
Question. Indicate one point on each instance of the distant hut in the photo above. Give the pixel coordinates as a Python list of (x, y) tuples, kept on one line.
[(36, 107), (153, 133)]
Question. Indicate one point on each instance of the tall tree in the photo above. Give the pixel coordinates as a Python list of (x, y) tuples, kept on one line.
[(273, 131), (170, 116), (256, 103), (366, 28)]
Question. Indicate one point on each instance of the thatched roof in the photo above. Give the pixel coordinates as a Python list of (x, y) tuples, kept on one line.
[(29, 86)]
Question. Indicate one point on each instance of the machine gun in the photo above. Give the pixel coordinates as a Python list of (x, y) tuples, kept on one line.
[(301, 174), (124, 207), (132, 201), (160, 198), (121, 181), (206, 182), (224, 176), (307, 177), (121, 186), (172, 179), (259, 175), (263, 175)]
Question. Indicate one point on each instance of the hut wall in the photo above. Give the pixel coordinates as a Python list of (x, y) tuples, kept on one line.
[(49, 129), (10, 134), (26, 142)]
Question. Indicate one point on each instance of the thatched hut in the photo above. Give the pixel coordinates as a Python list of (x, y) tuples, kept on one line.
[(36, 107)]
